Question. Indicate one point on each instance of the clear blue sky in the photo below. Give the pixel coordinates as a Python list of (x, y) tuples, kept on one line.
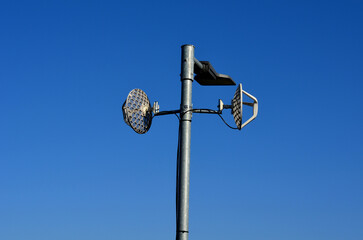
[(71, 169)]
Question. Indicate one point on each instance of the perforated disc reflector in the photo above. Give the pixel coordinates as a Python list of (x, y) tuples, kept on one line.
[(237, 107), (137, 111)]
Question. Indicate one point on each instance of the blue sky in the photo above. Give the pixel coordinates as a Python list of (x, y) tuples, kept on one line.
[(70, 168)]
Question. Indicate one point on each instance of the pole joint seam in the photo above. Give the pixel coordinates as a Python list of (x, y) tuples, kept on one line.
[(183, 79)]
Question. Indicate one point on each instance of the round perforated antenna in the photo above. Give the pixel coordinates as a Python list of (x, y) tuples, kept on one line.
[(237, 104), (137, 111)]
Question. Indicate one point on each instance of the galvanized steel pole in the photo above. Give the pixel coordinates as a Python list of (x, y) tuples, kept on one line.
[(186, 77)]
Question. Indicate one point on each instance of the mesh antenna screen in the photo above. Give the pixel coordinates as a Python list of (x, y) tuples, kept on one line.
[(237, 107), (137, 111)]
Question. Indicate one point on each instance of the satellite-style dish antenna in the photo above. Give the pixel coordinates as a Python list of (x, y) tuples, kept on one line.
[(137, 111), (237, 107)]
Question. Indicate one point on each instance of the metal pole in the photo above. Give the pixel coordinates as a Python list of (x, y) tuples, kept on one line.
[(186, 77)]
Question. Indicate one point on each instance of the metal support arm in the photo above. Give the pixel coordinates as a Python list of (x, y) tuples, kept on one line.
[(202, 110), (167, 112), (210, 111)]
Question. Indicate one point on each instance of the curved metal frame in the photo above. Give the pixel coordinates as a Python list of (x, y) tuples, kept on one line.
[(255, 108)]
